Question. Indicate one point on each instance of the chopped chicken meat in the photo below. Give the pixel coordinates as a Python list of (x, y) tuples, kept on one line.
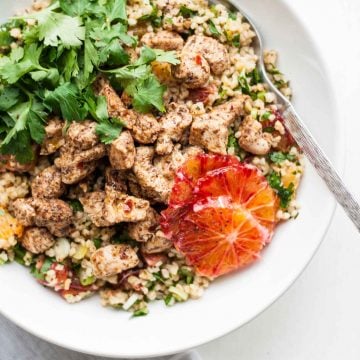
[(252, 138), (210, 130), (37, 240), (113, 259), (173, 124), (48, 184)]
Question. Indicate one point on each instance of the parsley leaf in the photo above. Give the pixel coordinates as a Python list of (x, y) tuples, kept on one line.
[(213, 29), (278, 157), (146, 93), (232, 15), (186, 12), (55, 28), (67, 100), (8, 98), (18, 64), (285, 194), (109, 130)]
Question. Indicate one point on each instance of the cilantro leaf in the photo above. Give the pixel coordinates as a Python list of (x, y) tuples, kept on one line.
[(129, 72), (186, 12), (213, 29), (285, 194), (146, 93), (55, 28), (20, 146), (74, 7), (109, 130), (117, 10), (67, 100), (149, 55), (16, 66), (232, 15), (166, 56), (8, 98), (278, 157)]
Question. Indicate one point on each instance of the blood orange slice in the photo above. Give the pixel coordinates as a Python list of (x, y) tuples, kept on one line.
[(231, 218), (195, 168)]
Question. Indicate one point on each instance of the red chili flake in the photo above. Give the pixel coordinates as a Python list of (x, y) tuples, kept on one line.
[(201, 94), (198, 59), (128, 206)]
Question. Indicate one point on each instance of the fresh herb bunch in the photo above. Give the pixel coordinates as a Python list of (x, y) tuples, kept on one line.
[(63, 48)]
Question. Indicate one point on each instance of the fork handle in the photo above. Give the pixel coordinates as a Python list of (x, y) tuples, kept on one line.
[(322, 164)]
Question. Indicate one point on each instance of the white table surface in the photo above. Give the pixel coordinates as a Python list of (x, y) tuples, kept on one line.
[(319, 317)]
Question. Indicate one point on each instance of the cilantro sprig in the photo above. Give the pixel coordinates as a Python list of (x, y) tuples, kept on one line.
[(51, 71)]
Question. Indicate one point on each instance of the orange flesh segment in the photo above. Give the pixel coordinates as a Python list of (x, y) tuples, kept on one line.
[(225, 218)]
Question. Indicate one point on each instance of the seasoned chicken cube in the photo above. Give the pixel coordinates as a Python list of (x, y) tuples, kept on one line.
[(94, 206), (193, 70), (54, 137), (252, 138), (150, 178), (68, 158), (82, 135), (74, 173), (159, 243), (113, 259), (122, 152), (121, 207), (210, 130), (116, 107), (48, 184), (145, 129), (144, 230), (115, 179), (54, 214), (211, 49), (173, 124), (24, 211), (76, 165), (165, 40), (37, 240)]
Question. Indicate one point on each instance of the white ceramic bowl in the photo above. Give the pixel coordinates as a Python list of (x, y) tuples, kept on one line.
[(233, 300)]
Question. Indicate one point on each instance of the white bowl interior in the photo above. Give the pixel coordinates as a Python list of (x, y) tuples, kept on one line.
[(232, 300)]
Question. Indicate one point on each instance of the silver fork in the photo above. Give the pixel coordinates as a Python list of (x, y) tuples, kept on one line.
[(302, 135)]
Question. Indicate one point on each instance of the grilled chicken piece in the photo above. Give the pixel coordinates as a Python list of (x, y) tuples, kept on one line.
[(48, 184), (211, 49), (165, 40), (112, 207), (82, 135), (122, 152), (252, 138), (54, 137), (54, 214), (93, 204), (37, 240), (210, 130), (159, 243), (173, 124), (113, 259), (121, 207), (144, 230), (145, 129), (193, 70)]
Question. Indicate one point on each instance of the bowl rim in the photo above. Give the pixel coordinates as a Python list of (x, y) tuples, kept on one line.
[(340, 154)]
